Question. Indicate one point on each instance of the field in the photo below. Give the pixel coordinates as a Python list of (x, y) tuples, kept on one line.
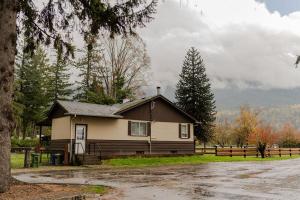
[(17, 160)]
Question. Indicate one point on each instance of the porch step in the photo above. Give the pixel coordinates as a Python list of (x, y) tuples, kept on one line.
[(89, 159)]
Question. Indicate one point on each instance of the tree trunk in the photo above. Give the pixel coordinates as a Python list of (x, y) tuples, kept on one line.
[(7, 58)]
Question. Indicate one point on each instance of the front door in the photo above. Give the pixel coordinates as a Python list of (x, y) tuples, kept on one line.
[(80, 138)]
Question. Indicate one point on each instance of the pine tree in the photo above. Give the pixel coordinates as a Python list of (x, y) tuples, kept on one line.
[(59, 86), (194, 94), (49, 22), (87, 66), (33, 82)]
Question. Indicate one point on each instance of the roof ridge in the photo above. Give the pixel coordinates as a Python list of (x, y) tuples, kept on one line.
[(87, 103)]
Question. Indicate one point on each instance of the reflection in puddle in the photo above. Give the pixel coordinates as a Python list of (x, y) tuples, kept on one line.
[(208, 181)]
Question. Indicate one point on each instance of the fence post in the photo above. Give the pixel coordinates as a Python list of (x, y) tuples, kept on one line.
[(279, 152), (230, 151), (216, 150), (256, 153), (244, 152), (269, 152), (290, 152)]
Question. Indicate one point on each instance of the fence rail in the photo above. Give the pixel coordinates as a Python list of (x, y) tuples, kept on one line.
[(249, 151)]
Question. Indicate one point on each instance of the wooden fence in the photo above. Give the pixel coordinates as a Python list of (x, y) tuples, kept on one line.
[(207, 150), (249, 151)]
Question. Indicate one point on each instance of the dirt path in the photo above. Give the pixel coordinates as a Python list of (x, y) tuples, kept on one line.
[(240, 180), (26, 191)]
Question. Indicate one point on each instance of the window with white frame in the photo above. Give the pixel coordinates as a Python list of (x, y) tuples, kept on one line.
[(184, 131), (138, 128)]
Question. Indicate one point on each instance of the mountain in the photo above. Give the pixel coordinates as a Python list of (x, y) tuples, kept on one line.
[(234, 97), (276, 106), (276, 116)]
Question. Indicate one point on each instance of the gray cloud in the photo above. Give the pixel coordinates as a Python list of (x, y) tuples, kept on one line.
[(245, 54)]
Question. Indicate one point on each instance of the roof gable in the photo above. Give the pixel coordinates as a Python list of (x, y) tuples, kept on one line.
[(63, 108), (138, 103)]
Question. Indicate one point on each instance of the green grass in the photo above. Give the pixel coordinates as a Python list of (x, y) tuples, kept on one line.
[(195, 159), (17, 160), (96, 189)]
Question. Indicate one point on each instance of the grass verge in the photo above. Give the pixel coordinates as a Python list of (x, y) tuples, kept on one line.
[(17, 160), (195, 159), (96, 189)]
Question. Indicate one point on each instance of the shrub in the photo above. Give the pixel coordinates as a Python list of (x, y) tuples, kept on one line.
[(16, 142)]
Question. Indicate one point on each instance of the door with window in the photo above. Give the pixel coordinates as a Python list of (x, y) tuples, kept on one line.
[(80, 138)]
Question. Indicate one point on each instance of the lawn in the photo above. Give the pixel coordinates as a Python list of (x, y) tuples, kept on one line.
[(17, 160), (96, 189), (196, 159)]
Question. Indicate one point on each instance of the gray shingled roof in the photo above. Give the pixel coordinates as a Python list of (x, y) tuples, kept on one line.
[(98, 110), (113, 111), (89, 109)]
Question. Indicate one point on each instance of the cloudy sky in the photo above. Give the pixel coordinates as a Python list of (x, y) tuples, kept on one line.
[(244, 43)]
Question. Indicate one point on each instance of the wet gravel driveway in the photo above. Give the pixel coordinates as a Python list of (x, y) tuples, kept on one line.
[(238, 180)]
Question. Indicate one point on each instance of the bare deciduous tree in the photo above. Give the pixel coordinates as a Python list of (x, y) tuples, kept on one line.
[(122, 66), (223, 133)]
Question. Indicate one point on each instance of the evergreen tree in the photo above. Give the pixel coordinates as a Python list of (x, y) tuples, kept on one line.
[(88, 90), (59, 86), (18, 108), (33, 81), (49, 22), (194, 94)]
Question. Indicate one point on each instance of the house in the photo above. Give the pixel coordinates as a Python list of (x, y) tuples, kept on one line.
[(152, 125)]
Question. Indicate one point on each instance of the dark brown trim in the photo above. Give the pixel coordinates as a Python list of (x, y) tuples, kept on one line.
[(58, 144), (148, 128), (132, 147), (154, 98), (55, 111), (115, 148), (179, 131), (129, 128)]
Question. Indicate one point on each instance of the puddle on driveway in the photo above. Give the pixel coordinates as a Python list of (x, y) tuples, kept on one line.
[(244, 180)]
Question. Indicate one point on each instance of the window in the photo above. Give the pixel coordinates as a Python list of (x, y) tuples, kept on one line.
[(80, 132), (184, 131), (138, 128)]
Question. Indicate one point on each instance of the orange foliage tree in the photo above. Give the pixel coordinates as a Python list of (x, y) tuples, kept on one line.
[(262, 136), (288, 136), (245, 124)]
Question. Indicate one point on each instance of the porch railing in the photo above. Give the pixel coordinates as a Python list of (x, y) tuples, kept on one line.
[(94, 149)]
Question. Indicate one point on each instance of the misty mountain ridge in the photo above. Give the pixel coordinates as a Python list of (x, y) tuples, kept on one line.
[(275, 106), (231, 98)]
